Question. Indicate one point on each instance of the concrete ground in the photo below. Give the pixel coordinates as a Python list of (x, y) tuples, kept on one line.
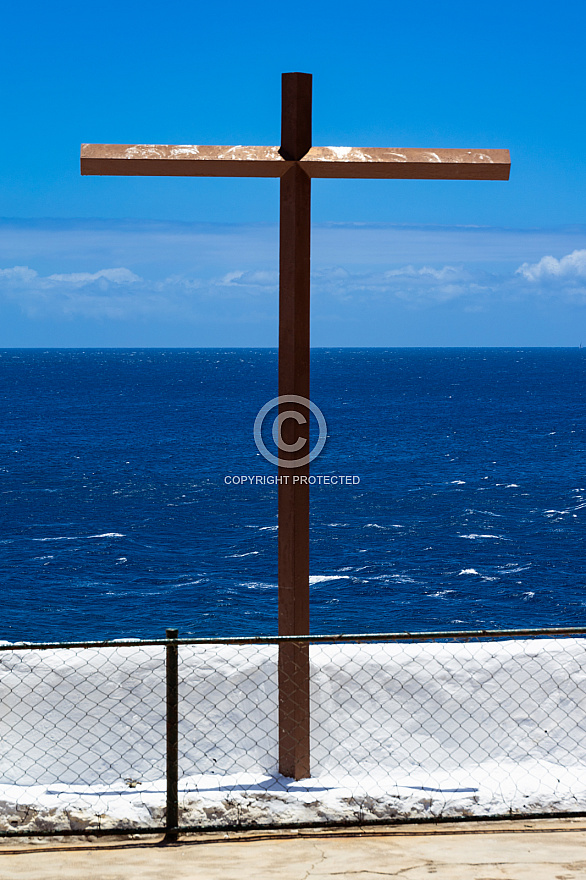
[(543, 849)]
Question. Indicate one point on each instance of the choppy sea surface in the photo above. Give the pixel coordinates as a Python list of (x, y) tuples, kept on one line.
[(116, 519)]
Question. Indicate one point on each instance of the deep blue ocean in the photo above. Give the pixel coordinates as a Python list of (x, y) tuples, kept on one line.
[(116, 519)]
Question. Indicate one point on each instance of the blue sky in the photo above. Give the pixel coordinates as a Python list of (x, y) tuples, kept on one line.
[(111, 261)]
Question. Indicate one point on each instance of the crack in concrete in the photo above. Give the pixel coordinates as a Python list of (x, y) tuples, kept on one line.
[(319, 861), (425, 864)]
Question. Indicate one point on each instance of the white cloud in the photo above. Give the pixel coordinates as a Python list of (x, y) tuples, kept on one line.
[(106, 293), (370, 283), (256, 279), (570, 268), (410, 285), (446, 273), (116, 276), (18, 275), (120, 293), (563, 279), (249, 294)]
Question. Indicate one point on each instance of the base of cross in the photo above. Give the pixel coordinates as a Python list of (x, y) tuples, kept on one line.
[(294, 716)]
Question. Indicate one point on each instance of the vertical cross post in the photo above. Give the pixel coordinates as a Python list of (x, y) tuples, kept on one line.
[(294, 266)]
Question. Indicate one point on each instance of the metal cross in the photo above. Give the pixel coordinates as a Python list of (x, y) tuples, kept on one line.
[(295, 163)]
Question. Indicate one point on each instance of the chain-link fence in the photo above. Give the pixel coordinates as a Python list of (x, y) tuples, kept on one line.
[(193, 734)]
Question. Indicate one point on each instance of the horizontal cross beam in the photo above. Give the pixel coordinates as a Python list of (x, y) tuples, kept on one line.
[(375, 163)]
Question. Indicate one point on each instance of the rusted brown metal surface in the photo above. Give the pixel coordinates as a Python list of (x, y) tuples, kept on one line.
[(385, 163), (375, 163), (295, 162), (158, 160), (294, 268)]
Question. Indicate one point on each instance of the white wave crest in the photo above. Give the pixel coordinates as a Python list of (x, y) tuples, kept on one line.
[(82, 537), (321, 578)]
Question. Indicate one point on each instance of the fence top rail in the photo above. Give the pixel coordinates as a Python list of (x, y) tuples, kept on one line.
[(429, 636)]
